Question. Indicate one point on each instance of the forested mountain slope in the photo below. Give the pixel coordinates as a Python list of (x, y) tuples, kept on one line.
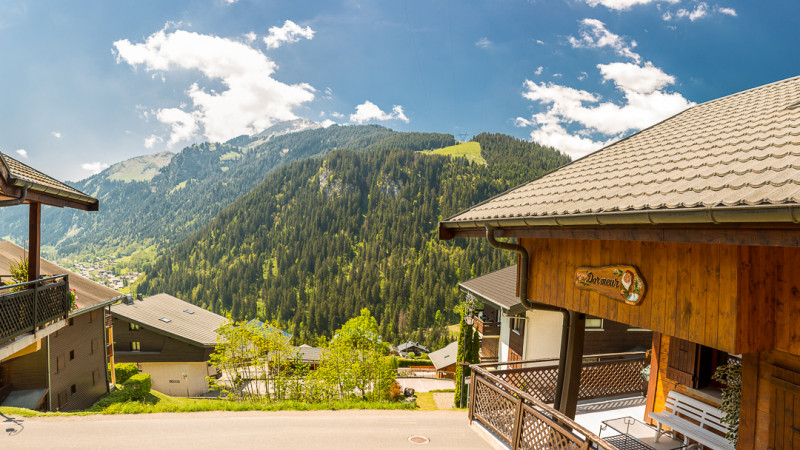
[(148, 204), (320, 239)]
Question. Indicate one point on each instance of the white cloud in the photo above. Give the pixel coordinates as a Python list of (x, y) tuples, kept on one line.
[(577, 121), (700, 11), (337, 115), (94, 167), (728, 11), (253, 100), (56, 134), (583, 76), (369, 111), (667, 16), (152, 140), (622, 5), (483, 42), (593, 34), (289, 32), (250, 37), (540, 42), (538, 70), (22, 153), (327, 122)]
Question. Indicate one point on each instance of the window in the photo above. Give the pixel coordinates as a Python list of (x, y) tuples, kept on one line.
[(518, 324), (71, 321), (693, 364), (95, 345), (95, 376), (71, 355), (73, 389), (62, 398), (594, 323), (61, 362), (165, 320), (188, 311), (133, 326), (136, 346)]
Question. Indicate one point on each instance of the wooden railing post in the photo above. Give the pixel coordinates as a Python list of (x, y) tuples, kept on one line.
[(35, 321), (473, 387), (516, 429)]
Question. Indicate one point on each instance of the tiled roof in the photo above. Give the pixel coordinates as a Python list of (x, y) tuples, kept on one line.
[(445, 356), (20, 174), (732, 153), (410, 345), (265, 329), (88, 292), (498, 287), (309, 354), (198, 326)]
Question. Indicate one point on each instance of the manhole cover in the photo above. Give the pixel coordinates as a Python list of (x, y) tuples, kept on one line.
[(418, 440)]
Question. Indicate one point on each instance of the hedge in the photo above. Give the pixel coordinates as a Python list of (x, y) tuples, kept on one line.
[(137, 386), (124, 371), (407, 362)]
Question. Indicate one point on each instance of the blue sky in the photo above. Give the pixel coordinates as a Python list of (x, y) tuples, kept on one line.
[(88, 84)]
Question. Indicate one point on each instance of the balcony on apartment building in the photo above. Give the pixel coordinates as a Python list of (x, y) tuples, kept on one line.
[(33, 307)]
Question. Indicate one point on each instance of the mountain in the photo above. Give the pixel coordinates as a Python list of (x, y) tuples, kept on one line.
[(322, 238), (150, 203)]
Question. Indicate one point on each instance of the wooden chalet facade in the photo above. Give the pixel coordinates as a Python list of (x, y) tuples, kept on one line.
[(168, 338), (705, 208), (510, 332)]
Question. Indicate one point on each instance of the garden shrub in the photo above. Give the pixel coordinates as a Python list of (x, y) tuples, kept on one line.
[(408, 362), (137, 386), (124, 371)]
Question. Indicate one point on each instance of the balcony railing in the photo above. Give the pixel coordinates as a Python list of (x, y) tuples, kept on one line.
[(512, 403), (26, 307), (486, 328)]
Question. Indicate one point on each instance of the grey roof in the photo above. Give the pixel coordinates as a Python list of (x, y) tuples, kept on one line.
[(444, 357), (411, 344), (199, 328), (266, 328), (88, 292), (309, 354), (498, 288), (18, 174), (714, 162)]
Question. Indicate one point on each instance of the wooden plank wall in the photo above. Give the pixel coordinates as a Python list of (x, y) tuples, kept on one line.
[(615, 338), (28, 371), (87, 372), (155, 347), (691, 293)]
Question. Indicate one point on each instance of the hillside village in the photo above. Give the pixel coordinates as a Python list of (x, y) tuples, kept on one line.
[(617, 268)]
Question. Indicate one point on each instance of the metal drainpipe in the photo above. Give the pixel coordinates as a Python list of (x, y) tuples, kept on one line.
[(16, 201), (528, 304)]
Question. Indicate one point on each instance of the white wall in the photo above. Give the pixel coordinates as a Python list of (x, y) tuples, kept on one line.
[(542, 335), (168, 377), (505, 328)]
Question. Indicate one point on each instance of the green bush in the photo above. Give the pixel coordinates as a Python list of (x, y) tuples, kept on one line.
[(408, 362), (124, 371), (137, 386)]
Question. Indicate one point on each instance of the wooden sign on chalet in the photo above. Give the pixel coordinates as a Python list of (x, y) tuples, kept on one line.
[(622, 283)]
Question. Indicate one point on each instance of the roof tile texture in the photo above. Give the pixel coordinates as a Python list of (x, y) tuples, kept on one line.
[(739, 150), (24, 172)]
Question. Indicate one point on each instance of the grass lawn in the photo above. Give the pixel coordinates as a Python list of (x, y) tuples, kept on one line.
[(469, 150), (158, 402)]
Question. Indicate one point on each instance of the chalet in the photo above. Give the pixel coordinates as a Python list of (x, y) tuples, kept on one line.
[(412, 347), (51, 356), (688, 228), (511, 332), (168, 338), (444, 360), (78, 354), (309, 355)]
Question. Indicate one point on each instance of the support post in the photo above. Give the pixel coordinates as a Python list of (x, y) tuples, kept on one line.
[(572, 375), (653, 381), (34, 240)]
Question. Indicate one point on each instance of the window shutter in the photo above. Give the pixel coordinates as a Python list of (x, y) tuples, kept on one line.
[(61, 361), (95, 345), (62, 399), (682, 363)]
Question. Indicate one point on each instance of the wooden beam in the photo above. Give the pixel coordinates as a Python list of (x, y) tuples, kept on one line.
[(34, 240), (655, 356), (572, 375), (749, 401)]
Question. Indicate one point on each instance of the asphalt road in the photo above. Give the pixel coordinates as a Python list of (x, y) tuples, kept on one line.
[(254, 429)]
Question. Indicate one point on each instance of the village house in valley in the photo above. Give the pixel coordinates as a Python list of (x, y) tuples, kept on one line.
[(688, 228), (52, 356), (168, 338), (511, 332)]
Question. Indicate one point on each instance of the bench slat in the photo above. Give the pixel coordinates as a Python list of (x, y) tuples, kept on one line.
[(708, 416)]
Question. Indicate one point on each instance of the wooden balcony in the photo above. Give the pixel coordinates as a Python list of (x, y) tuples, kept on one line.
[(27, 307), (489, 349), (512, 403), (486, 328)]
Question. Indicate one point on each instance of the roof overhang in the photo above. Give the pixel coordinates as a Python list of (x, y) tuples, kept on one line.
[(12, 186), (755, 225)]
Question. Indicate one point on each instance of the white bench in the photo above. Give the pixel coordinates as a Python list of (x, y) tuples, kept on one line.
[(679, 408)]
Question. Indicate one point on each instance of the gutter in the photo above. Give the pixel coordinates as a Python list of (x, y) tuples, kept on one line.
[(17, 201), (533, 306), (675, 216)]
